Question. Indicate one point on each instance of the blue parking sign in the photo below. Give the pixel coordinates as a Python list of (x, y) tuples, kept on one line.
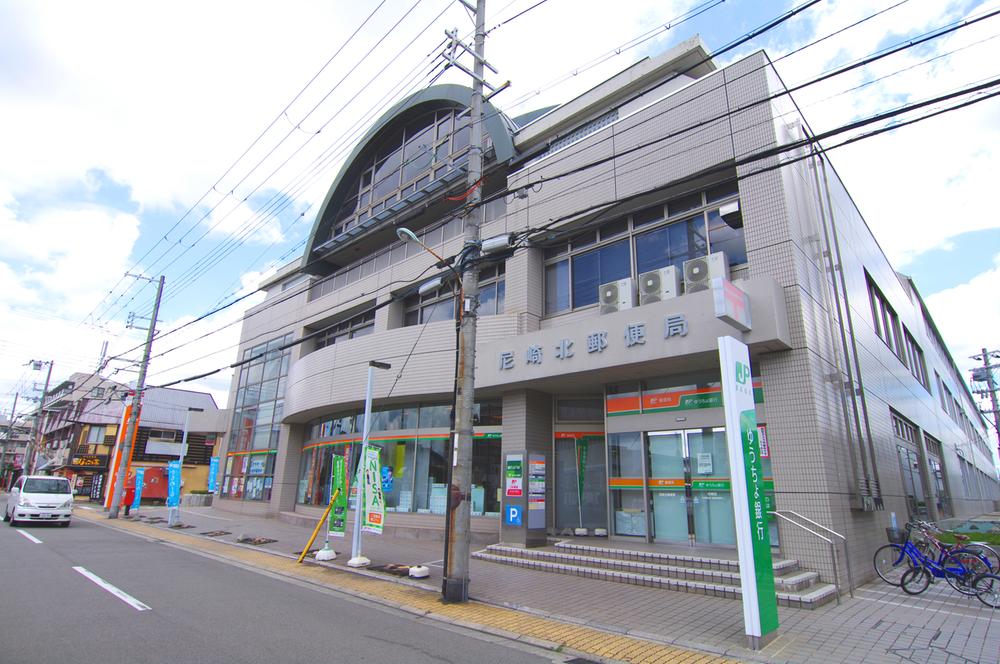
[(513, 515)]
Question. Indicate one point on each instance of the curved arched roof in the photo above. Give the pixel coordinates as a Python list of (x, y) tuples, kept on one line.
[(495, 123)]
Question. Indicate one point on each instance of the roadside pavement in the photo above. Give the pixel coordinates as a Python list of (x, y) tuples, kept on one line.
[(595, 619)]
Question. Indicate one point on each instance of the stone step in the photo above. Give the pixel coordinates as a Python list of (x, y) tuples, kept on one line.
[(810, 598), (780, 566), (789, 581)]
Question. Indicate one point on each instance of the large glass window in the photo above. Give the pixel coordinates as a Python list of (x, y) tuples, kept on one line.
[(671, 233), (253, 440), (405, 161), (413, 466), (357, 326)]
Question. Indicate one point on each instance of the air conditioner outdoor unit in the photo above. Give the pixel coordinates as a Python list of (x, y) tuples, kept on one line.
[(616, 295), (661, 284), (699, 272)]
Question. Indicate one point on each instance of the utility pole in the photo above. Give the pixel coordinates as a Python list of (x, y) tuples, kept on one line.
[(36, 430), (455, 585), (6, 443), (985, 374), (136, 405)]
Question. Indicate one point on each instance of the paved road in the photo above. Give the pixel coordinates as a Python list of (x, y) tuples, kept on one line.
[(90, 593)]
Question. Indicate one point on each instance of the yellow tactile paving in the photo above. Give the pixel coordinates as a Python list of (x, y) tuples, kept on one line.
[(576, 638)]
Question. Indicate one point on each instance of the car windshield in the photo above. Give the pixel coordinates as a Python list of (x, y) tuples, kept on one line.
[(46, 485)]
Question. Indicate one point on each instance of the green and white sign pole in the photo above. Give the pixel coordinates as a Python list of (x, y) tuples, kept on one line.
[(753, 539), (358, 560)]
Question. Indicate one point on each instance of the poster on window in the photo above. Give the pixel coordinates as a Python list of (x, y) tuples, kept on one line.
[(372, 498)]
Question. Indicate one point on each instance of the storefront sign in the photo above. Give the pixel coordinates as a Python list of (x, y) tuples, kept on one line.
[(671, 399), (514, 475), (596, 341), (257, 464), (338, 513), (173, 484), (213, 473), (732, 305), (140, 476), (373, 500), (760, 610), (90, 460), (97, 487)]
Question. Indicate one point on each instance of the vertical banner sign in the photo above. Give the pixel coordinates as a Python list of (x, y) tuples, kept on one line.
[(338, 515), (173, 484), (372, 498), (213, 473), (536, 491), (140, 476), (760, 608)]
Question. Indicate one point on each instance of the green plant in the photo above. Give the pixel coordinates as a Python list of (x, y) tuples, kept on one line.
[(200, 492)]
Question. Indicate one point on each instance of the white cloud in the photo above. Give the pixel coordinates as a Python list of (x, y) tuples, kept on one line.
[(968, 320), (921, 185)]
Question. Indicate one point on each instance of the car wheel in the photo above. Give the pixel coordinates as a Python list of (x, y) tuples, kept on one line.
[(64, 524), (13, 523), (6, 517)]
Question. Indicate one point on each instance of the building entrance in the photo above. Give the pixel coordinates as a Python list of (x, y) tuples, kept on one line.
[(673, 485)]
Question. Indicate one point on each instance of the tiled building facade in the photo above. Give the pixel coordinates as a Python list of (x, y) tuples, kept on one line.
[(653, 174)]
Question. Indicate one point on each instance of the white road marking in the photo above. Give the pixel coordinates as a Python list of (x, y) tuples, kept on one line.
[(908, 606), (434, 563), (30, 536), (207, 516), (120, 594)]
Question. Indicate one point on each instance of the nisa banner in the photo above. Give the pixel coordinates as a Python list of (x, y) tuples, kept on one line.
[(373, 500)]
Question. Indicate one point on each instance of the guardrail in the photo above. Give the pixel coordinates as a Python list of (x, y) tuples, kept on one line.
[(783, 514)]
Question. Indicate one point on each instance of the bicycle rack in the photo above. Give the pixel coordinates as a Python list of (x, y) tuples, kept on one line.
[(781, 514)]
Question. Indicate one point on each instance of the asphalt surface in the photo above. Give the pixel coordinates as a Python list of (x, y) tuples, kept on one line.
[(179, 606)]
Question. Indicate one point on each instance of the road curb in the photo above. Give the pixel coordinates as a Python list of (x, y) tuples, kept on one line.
[(523, 625)]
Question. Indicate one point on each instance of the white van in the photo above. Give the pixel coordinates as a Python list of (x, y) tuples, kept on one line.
[(40, 499)]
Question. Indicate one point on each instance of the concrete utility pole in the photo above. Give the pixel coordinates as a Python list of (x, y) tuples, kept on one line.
[(985, 374), (6, 443), (36, 430), (455, 585), (136, 406)]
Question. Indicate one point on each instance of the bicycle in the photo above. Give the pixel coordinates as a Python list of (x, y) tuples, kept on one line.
[(912, 569), (987, 587)]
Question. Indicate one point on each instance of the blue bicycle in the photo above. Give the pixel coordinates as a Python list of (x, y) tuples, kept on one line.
[(912, 568)]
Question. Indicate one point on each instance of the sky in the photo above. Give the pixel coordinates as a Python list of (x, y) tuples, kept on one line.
[(196, 140)]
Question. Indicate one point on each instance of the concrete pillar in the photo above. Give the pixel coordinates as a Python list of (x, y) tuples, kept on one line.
[(286, 468), (527, 427)]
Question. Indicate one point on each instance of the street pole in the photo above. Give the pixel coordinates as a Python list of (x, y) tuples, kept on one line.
[(357, 560), (991, 385), (455, 585), (36, 430), (172, 513), (6, 444), (133, 419)]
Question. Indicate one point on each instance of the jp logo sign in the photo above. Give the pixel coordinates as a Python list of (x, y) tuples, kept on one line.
[(513, 515)]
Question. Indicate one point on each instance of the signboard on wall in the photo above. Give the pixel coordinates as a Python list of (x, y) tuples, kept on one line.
[(514, 476), (536, 491), (760, 609)]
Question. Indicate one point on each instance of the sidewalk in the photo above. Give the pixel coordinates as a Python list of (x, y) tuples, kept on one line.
[(607, 620)]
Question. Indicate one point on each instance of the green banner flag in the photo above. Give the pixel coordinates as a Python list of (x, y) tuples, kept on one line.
[(338, 514), (372, 499)]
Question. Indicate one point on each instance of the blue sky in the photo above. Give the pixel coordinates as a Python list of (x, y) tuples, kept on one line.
[(114, 131)]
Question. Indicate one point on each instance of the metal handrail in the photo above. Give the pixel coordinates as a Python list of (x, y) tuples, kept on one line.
[(847, 553), (833, 549)]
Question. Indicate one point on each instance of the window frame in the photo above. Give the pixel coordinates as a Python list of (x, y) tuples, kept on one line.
[(650, 219)]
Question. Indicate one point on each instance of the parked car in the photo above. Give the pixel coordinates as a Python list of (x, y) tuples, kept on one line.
[(39, 499)]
